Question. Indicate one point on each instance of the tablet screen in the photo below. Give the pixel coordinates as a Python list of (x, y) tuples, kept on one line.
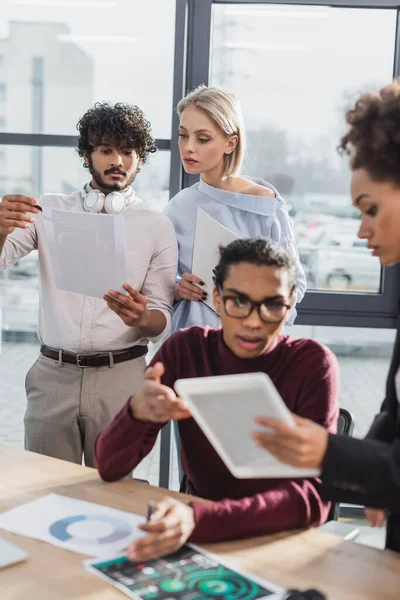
[(225, 407), (230, 416)]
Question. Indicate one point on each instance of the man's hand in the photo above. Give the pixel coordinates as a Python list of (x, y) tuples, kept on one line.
[(14, 212), (132, 309), (376, 516), (156, 402), (186, 288), (303, 445), (169, 527)]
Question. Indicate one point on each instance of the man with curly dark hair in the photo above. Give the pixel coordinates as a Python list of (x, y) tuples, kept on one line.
[(123, 126), (92, 354), (365, 471)]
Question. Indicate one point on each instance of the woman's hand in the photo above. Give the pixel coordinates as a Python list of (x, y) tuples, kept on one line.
[(187, 289), (303, 445)]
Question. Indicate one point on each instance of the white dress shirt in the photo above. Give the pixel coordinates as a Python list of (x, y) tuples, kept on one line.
[(84, 324)]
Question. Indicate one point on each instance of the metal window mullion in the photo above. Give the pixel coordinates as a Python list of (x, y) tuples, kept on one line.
[(180, 51), (61, 141), (326, 318), (198, 43), (396, 62), (321, 4)]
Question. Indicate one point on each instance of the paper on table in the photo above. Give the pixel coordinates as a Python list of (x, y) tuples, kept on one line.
[(73, 524), (208, 236), (87, 250)]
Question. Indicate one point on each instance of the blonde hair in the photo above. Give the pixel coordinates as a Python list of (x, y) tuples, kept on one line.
[(224, 110)]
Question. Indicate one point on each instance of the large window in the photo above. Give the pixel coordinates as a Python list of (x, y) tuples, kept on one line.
[(294, 85), (62, 56), (28, 168), (57, 58), (296, 67)]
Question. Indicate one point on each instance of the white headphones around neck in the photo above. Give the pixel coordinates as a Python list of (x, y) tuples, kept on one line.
[(114, 203)]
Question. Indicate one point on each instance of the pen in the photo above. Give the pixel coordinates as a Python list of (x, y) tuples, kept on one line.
[(150, 509)]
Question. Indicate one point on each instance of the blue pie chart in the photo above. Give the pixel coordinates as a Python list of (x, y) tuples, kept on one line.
[(121, 529)]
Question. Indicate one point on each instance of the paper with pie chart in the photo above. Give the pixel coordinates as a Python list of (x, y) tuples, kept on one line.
[(76, 525)]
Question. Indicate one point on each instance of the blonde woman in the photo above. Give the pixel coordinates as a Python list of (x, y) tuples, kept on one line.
[(212, 145)]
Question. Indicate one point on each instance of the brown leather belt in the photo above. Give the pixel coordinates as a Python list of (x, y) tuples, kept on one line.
[(99, 359)]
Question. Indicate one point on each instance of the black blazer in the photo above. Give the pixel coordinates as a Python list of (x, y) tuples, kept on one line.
[(367, 471)]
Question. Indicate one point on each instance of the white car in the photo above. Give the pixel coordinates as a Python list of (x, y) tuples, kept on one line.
[(341, 262)]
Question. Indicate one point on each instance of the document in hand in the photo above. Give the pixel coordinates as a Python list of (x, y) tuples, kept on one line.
[(225, 408), (208, 236), (87, 251)]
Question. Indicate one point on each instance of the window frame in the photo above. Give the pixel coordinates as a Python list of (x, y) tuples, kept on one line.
[(191, 68)]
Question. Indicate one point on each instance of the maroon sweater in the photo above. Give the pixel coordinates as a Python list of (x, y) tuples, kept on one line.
[(305, 374)]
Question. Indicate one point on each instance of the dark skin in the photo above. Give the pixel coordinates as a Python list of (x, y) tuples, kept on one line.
[(132, 309), (16, 212), (172, 522), (304, 445)]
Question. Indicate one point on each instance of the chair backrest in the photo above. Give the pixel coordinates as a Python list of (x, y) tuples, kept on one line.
[(345, 426)]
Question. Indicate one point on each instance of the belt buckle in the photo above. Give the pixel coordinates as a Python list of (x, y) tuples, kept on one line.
[(78, 362)]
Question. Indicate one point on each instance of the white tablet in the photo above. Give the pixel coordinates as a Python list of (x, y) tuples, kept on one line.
[(225, 408)]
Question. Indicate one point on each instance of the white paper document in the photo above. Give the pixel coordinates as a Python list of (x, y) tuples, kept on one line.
[(208, 236), (87, 250), (225, 407), (75, 525)]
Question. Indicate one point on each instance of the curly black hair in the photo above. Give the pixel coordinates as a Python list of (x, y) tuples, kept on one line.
[(123, 125), (258, 251), (373, 140)]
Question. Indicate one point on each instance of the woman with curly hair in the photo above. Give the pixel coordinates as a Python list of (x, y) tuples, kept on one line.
[(68, 406), (365, 471), (212, 145)]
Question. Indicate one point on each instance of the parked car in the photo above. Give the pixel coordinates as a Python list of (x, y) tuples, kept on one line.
[(340, 262)]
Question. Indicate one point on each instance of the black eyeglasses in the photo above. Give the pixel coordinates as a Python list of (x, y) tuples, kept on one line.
[(241, 307)]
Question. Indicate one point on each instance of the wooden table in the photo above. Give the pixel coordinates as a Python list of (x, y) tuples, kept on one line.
[(343, 570)]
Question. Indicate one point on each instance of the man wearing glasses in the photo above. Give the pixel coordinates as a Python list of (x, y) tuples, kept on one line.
[(254, 291)]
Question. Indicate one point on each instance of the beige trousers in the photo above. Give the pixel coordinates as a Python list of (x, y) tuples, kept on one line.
[(67, 406)]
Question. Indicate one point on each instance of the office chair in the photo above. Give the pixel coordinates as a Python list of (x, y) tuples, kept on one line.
[(345, 426)]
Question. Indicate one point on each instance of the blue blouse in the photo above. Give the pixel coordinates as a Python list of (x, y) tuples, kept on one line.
[(245, 215)]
